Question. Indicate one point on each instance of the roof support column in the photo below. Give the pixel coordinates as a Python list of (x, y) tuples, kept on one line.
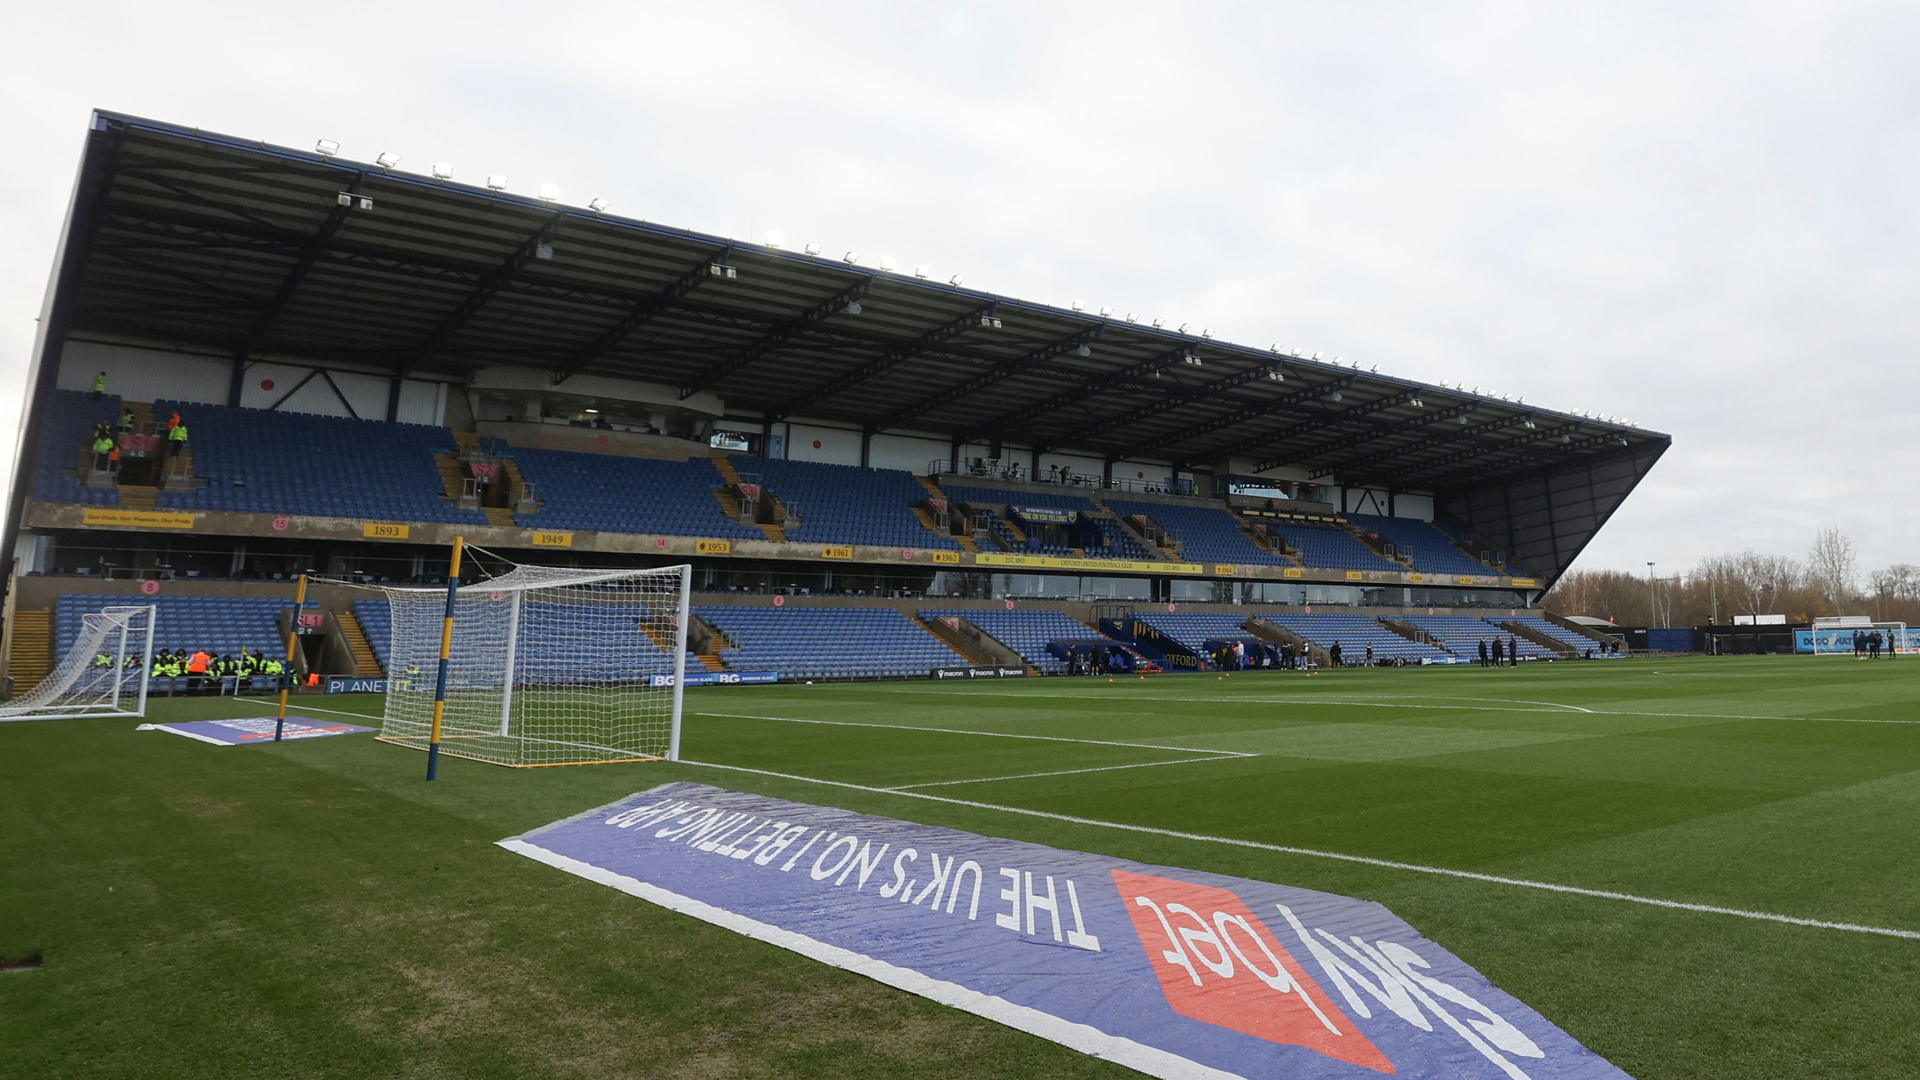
[(866, 447), (953, 456), (236, 379), (393, 398)]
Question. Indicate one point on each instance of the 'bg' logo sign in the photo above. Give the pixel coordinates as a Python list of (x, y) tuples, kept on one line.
[(1220, 965)]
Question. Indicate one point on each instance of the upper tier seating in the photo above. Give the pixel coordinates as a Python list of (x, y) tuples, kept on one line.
[(847, 504), (827, 643), (1119, 544), (1463, 634), (1194, 628), (66, 428), (263, 462), (221, 625), (1026, 632), (1207, 533), (1553, 631), (1332, 548), (994, 496), (604, 493), (1354, 633), (1431, 550)]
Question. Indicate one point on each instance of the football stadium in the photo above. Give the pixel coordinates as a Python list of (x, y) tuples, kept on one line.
[(944, 682)]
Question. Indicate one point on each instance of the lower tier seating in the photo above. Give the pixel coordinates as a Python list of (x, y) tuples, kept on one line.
[(220, 625), (1553, 631), (1354, 633), (1025, 632), (827, 643), (1194, 628), (1463, 634)]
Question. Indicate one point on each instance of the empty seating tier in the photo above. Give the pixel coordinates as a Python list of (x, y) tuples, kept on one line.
[(220, 625), (66, 429), (1194, 628), (1552, 631), (827, 643), (1431, 550), (1026, 632), (1463, 634), (847, 504), (1332, 548), (1354, 633), (265, 462), (604, 493), (1206, 533)]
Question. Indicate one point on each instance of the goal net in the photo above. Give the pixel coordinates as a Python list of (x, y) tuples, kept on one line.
[(548, 666), (103, 673), (1850, 635)]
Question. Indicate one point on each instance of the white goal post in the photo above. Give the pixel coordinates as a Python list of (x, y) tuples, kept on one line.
[(547, 666), (103, 673), (1836, 636)]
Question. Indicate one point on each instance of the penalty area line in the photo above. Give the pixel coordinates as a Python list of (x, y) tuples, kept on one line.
[(1067, 772), (1368, 860), (988, 734)]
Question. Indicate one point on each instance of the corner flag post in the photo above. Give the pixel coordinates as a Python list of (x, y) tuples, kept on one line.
[(293, 638), (446, 650)]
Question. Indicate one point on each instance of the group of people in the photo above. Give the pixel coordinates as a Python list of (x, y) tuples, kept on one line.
[(1503, 652), (201, 668), (106, 436), (1868, 643)]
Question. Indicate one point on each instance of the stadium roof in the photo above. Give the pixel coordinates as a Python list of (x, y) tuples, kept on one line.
[(248, 249)]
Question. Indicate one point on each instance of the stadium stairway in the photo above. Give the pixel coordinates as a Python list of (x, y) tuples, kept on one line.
[(729, 497), (1379, 547), (977, 647), (139, 497), (711, 661), (1413, 633), (31, 654), (366, 664), (926, 516), (1262, 628), (1533, 632), (1263, 543)]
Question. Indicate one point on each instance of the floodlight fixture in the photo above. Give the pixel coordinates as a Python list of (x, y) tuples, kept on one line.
[(1461, 420), (1338, 396), (1274, 374), (598, 205), (992, 322), (1566, 439), (812, 249), (387, 160), (1159, 324), (956, 279), (1207, 332), (548, 192), (922, 272), (1183, 328), (1417, 403), (1337, 360), (854, 308), (1530, 425), (351, 201), (1077, 305), (1106, 312), (722, 271), (1275, 349), (1521, 400), (774, 239), (1297, 354), (1133, 317), (889, 263), (850, 258), (442, 171), (496, 182), (1375, 369), (1192, 361), (326, 148), (1084, 350)]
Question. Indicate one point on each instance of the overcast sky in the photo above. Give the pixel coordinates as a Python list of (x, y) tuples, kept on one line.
[(1701, 218)]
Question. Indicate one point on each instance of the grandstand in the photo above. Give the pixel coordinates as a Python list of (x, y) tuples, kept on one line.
[(364, 380), (827, 642), (1025, 631), (1462, 635), (1353, 633)]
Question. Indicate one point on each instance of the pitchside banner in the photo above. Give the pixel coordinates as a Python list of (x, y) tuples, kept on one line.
[(1175, 973)]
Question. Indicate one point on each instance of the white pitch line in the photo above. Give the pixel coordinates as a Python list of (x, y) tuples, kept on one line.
[(291, 707), (1557, 710), (989, 734), (1495, 879), (1067, 772)]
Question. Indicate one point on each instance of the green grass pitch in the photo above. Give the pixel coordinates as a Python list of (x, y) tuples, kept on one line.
[(315, 909)]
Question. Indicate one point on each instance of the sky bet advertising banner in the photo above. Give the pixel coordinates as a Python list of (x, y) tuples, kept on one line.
[(1174, 973)]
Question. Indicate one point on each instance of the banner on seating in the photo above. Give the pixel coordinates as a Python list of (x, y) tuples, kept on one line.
[(1174, 973), (720, 678), (1046, 514), (979, 673)]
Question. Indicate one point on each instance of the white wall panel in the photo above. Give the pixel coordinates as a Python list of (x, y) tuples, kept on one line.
[(140, 374)]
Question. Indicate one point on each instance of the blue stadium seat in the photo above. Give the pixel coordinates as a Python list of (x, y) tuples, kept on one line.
[(826, 642)]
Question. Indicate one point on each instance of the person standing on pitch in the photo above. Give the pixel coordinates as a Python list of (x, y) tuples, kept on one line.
[(1513, 651), (1483, 652), (1496, 652)]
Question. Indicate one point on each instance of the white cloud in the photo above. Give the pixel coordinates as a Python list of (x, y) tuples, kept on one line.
[(1702, 218)]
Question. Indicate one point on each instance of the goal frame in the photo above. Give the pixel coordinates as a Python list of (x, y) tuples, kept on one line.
[(509, 730), (1837, 634), (118, 625)]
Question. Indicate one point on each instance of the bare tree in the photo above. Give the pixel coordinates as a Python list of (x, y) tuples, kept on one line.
[(1750, 583), (1832, 567)]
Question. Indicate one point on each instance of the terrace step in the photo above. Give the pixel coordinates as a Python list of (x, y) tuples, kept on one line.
[(137, 497), (932, 526), (711, 661), (31, 654), (500, 517), (365, 661)]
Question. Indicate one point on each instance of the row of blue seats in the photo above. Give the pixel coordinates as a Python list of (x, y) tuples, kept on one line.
[(846, 504), (1207, 533), (66, 432), (864, 642), (1025, 631)]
